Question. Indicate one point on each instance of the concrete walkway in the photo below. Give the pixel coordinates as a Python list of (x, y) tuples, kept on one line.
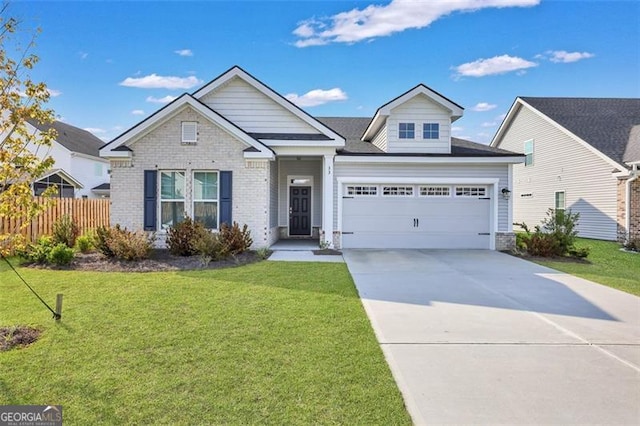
[(300, 251), (480, 337)]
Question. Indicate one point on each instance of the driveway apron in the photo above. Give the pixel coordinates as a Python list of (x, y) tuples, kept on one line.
[(481, 337)]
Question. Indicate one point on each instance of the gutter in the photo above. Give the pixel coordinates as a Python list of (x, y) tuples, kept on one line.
[(633, 176)]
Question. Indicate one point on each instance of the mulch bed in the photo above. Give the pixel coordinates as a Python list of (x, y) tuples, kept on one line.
[(17, 336), (160, 260), (327, 252)]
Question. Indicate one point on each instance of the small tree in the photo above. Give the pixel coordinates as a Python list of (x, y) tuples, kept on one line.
[(23, 149)]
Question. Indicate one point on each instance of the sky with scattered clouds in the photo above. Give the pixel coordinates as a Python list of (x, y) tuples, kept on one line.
[(108, 65)]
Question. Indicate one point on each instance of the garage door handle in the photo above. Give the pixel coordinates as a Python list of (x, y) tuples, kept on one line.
[(347, 233), (417, 223), (484, 233)]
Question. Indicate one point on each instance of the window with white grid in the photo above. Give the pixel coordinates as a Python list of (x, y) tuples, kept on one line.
[(471, 191), (362, 190), (397, 191), (435, 191)]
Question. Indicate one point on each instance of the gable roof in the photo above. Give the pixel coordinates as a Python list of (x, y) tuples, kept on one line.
[(238, 72), (606, 124), (352, 129), (383, 112), (116, 147), (71, 137)]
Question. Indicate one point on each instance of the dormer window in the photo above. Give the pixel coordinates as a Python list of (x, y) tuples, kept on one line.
[(407, 130), (431, 131), (189, 131)]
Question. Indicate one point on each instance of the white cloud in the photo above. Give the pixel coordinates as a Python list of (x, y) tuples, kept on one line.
[(155, 81), (483, 106), (54, 93), (105, 138), (562, 56), (95, 130), (491, 66), (317, 97), (383, 20), (138, 111), (184, 52), (489, 124), (457, 129), (83, 55), (164, 100)]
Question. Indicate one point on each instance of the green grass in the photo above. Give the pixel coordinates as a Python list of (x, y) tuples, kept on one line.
[(269, 343), (608, 265)]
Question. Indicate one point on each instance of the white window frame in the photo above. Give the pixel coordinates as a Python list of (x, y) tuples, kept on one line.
[(397, 191), (195, 200), (170, 200), (528, 156), (564, 200), (362, 190), (185, 136), (466, 191), (424, 131), (407, 130), (434, 191)]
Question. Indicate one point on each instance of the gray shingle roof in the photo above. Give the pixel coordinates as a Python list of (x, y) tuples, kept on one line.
[(604, 123), (352, 128), (72, 138)]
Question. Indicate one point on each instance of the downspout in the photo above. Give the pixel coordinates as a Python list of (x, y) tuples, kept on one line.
[(627, 206)]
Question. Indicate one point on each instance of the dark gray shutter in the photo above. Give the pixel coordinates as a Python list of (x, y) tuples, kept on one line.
[(226, 179), (150, 199)]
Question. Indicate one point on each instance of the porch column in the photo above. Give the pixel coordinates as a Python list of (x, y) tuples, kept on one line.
[(327, 198)]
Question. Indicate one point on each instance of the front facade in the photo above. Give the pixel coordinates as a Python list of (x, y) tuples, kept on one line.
[(235, 150), (581, 155)]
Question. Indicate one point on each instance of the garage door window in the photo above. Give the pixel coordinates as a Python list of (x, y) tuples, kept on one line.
[(397, 191), (362, 191), (471, 191), (435, 191)]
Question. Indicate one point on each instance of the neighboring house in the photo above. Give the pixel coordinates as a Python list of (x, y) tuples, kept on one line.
[(235, 150), (582, 154), (78, 172)]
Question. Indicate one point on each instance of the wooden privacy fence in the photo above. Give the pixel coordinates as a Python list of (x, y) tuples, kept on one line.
[(87, 213)]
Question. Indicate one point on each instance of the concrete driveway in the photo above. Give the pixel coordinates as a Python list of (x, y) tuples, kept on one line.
[(481, 337)]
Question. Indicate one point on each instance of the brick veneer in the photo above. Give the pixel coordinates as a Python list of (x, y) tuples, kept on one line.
[(634, 224)]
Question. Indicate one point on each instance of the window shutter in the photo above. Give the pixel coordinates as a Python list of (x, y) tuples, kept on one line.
[(150, 199), (226, 178)]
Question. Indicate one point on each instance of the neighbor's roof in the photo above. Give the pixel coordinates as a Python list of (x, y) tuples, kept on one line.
[(352, 128), (72, 138), (604, 123)]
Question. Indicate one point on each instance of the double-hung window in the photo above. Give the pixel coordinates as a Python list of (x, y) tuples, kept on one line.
[(560, 201), (172, 191), (189, 132), (528, 153), (406, 130), (205, 198), (430, 131)]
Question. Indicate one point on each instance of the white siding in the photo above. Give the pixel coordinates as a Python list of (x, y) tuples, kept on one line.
[(90, 173), (302, 167), (496, 171), (419, 110), (560, 163), (380, 139), (252, 111)]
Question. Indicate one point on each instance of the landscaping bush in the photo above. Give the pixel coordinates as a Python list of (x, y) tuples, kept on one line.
[(209, 247), (236, 240), (127, 245), (37, 252), (65, 231), (100, 241), (60, 255), (182, 237), (84, 243), (556, 236)]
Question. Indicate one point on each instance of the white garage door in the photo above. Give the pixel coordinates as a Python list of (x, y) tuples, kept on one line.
[(416, 216)]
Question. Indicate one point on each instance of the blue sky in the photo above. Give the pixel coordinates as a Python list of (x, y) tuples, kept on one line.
[(111, 64)]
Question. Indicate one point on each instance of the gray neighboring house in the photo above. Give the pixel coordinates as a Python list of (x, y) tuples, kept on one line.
[(581, 154), (236, 150)]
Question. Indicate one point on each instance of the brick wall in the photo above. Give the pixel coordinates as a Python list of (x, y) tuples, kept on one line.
[(634, 225), (635, 207), (505, 241), (161, 149)]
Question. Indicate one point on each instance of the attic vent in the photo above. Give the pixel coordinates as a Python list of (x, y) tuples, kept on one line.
[(189, 131)]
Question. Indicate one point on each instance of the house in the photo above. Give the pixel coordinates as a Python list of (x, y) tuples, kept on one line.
[(582, 154), (235, 150), (78, 172)]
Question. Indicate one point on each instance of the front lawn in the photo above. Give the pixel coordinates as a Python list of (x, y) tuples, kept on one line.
[(272, 342), (608, 265)]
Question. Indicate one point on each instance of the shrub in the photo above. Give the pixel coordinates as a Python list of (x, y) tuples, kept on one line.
[(127, 245), (209, 247), (84, 243), (236, 240), (181, 238), (65, 231), (38, 252), (100, 241), (541, 244), (263, 252), (60, 255), (556, 236)]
